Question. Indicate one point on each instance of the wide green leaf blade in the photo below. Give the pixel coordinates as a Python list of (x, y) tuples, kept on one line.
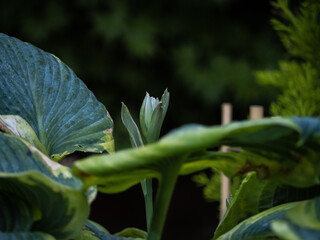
[(25, 236), (43, 91), (259, 226), (272, 139), (50, 199)]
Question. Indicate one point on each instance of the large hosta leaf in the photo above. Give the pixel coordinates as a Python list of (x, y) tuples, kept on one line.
[(63, 113), (37, 194), (271, 149)]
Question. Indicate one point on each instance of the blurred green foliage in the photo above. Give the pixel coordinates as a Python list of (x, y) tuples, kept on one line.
[(212, 185), (204, 52), (298, 78)]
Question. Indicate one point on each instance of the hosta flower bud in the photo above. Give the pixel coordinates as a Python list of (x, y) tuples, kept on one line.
[(152, 114)]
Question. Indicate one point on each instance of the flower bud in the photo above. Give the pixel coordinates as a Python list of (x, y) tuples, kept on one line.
[(152, 114)]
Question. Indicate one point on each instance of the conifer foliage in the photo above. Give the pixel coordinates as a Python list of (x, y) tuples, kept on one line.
[(298, 77)]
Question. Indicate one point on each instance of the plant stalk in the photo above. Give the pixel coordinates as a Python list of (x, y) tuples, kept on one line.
[(163, 198), (146, 185)]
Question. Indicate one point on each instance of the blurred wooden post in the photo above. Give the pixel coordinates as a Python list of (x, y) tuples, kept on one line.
[(225, 181), (256, 112)]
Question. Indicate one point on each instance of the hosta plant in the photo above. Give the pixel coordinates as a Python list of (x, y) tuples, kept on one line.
[(47, 113)]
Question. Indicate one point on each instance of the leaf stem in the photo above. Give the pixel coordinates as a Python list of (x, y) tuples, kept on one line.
[(164, 194), (148, 200)]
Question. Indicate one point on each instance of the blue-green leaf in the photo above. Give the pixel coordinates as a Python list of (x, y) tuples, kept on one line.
[(49, 197), (63, 113)]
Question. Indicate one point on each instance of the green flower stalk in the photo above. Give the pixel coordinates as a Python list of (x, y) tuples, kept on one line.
[(152, 114)]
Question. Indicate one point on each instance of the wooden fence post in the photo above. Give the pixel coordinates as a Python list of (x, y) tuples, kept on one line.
[(225, 181), (256, 112)]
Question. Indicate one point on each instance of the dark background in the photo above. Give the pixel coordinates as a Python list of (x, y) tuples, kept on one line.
[(205, 52)]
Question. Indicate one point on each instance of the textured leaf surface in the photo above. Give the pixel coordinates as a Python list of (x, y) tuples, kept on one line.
[(48, 196), (42, 90)]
